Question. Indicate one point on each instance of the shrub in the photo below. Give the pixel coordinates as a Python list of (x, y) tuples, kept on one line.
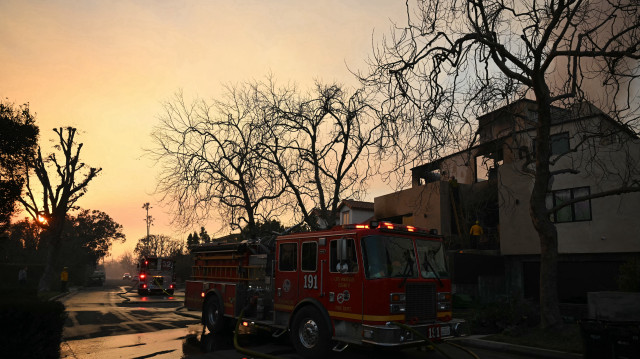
[(31, 327), (509, 316), (629, 277)]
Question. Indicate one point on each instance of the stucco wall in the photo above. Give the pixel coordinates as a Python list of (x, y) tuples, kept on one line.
[(422, 202), (356, 215), (614, 225)]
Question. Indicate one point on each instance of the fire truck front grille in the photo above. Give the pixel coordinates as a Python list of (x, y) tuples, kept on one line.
[(421, 302)]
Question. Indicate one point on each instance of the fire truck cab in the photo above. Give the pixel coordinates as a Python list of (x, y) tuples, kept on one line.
[(328, 289)]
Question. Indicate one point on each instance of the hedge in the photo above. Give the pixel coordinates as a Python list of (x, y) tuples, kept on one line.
[(30, 327)]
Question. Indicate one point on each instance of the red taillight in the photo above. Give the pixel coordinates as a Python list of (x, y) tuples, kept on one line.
[(142, 276), (171, 286), (144, 286)]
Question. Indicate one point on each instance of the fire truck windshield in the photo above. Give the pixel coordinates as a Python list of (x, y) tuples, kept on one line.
[(389, 257), (431, 256)]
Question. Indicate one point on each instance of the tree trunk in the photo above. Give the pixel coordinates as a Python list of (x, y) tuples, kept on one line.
[(51, 235), (549, 304)]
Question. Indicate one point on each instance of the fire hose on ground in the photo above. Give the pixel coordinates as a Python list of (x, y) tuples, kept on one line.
[(244, 350)]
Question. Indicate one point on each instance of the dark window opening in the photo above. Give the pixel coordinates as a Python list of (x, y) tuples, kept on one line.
[(288, 257), (576, 212), (309, 258)]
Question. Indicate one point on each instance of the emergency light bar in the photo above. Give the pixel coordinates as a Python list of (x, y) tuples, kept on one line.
[(388, 226), (355, 226)]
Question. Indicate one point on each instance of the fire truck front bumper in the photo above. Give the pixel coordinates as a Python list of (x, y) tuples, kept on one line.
[(391, 334)]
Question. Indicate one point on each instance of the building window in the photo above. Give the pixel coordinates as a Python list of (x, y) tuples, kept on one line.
[(309, 258), (560, 143), (576, 212), (345, 218), (288, 260), (487, 166)]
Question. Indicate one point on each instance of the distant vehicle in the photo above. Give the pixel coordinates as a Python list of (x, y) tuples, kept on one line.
[(126, 276), (96, 278), (156, 275)]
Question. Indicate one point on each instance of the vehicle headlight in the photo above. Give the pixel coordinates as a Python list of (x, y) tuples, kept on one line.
[(397, 308)]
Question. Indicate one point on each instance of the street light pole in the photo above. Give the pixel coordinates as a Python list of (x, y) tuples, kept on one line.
[(149, 220)]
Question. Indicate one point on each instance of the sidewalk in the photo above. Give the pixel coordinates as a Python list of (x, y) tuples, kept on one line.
[(61, 295), (476, 341)]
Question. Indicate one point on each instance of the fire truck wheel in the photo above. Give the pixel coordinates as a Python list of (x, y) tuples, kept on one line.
[(310, 334), (213, 315)]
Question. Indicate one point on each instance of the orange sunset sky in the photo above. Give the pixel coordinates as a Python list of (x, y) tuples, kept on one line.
[(104, 67)]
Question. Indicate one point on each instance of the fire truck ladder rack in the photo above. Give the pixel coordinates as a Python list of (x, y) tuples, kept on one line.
[(225, 272)]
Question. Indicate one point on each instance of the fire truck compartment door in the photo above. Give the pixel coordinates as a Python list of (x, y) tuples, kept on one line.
[(343, 280)]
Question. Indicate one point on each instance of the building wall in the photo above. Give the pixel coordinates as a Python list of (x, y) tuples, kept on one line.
[(614, 224), (420, 206), (356, 215)]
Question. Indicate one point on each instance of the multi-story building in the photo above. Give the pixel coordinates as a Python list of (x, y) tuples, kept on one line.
[(491, 183)]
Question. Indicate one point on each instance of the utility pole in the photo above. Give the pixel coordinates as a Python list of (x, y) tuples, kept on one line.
[(149, 220)]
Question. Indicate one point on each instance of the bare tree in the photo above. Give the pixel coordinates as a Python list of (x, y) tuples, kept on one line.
[(158, 245), (211, 159), (455, 60), (322, 144), (263, 152), (48, 201)]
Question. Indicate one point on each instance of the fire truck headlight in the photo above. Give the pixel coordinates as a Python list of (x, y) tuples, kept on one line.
[(444, 297), (396, 308), (444, 306)]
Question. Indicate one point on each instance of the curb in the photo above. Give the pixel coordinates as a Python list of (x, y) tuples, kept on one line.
[(478, 342), (71, 290)]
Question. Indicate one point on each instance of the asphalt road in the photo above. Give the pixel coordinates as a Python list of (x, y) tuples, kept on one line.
[(109, 322), (111, 310)]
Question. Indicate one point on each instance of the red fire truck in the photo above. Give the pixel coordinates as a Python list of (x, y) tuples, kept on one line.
[(331, 288), (156, 275)]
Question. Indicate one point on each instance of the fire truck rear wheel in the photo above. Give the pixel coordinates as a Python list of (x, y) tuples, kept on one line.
[(310, 334), (213, 314)]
